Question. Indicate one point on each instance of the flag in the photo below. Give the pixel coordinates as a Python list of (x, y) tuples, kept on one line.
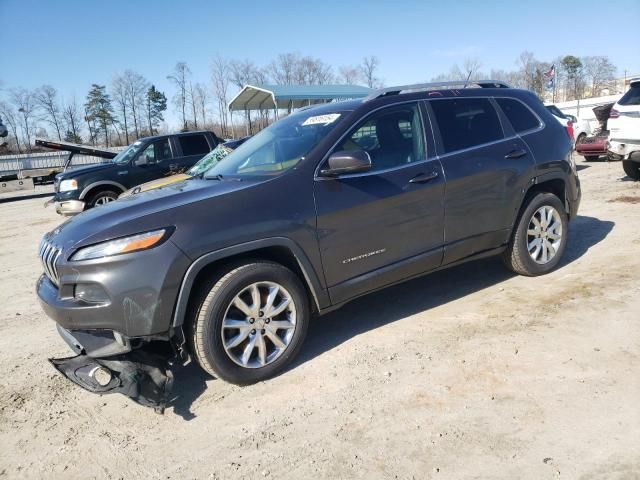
[(550, 75)]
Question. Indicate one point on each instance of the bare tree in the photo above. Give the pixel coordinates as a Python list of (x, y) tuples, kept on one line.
[(46, 99), (220, 81), (72, 119), (136, 87), (283, 68), (471, 69), (8, 115), (349, 74), (312, 71), (180, 77), (200, 99), (242, 73), (369, 70), (23, 101), (600, 71), (527, 63), (120, 98)]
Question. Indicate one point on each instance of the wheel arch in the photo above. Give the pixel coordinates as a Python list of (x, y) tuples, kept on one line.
[(279, 249), (100, 185), (552, 182)]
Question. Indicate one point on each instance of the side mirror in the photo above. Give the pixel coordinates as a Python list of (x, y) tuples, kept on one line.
[(346, 161), (141, 161)]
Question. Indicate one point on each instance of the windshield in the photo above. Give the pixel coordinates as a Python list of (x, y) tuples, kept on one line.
[(209, 160), (127, 154), (279, 147), (632, 97)]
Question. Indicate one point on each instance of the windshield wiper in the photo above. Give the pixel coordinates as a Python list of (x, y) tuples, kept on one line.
[(220, 177)]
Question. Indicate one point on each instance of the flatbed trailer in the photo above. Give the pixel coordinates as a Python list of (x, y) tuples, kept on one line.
[(25, 179)]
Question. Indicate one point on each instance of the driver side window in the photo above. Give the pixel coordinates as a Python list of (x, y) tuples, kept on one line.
[(157, 152), (149, 154), (392, 137)]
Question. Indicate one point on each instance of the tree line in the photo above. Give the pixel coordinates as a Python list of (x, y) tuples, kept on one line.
[(573, 77), (130, 106)]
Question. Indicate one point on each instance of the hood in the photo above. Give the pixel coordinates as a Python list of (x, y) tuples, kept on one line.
[(76, 172), (152, 209)]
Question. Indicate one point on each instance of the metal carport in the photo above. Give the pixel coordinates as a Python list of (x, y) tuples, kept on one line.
[(275, 97)]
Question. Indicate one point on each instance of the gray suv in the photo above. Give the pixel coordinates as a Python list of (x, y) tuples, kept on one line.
[(328, 204)]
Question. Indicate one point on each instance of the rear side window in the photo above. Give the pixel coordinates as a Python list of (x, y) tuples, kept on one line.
[(632, 97), (466, 122), (194, 145), (518, 114)]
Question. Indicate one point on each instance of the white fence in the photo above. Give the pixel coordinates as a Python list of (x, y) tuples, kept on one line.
[(583, 109), (10, 164)]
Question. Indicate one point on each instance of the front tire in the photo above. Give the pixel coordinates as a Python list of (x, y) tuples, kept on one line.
[(632, 169), (101, 198), (250, 323), (539, 238), (591, 158)]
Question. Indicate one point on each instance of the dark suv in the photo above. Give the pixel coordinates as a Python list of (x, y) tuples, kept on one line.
[(146, 159), (325, 205)]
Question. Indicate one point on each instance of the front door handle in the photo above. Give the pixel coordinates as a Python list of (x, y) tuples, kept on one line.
[(516, 154), (424, 177)]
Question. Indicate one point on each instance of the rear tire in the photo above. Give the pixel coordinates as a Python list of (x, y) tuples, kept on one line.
[(539, 238), (244, 345), (632, 169), (102, 198), (581, 138)]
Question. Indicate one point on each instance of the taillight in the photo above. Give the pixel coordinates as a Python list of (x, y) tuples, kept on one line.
[(570, 130), (614, 113)]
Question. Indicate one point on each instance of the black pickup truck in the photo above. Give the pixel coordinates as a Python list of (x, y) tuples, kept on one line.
[(146, 159)]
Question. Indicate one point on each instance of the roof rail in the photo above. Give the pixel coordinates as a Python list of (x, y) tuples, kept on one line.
[(436, 86)]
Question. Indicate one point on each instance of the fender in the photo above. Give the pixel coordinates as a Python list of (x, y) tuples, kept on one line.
[(320, 295), (88, 188), (555, 174)]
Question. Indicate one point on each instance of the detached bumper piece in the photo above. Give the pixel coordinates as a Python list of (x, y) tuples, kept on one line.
[(143, 376)]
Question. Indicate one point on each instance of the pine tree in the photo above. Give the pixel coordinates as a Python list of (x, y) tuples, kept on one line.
[(156, 104), (99, 109), (72, 137)]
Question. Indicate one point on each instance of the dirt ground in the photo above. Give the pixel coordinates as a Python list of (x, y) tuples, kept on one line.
[(467, 373)]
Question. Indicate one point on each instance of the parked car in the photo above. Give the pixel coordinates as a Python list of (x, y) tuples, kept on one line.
[(326, 205), (562, 119), (204, 164), (624, 127), (147, 159), (581, 128)]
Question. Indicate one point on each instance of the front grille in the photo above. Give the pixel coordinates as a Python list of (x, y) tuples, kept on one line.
[(49, 255)]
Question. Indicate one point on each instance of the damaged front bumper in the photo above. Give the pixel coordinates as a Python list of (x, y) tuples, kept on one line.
[(143, 376)]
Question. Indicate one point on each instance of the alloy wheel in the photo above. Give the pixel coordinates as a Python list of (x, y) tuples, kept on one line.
[(258, 324), (544, 234)]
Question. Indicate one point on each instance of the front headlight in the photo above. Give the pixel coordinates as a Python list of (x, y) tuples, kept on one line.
[(68, 185), (134, 243)]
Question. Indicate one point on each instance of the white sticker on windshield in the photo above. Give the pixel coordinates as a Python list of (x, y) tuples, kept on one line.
[(322, 119)]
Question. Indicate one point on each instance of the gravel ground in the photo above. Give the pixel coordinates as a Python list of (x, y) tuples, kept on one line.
[(467, 373)]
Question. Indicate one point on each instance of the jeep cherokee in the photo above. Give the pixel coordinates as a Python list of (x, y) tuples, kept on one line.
[(328, 204)]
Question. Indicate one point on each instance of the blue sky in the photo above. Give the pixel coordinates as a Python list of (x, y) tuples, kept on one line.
[(73, 43)]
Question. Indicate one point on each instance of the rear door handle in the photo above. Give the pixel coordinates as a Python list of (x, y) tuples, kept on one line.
[(516, 154), (424, 177), (173, 167)]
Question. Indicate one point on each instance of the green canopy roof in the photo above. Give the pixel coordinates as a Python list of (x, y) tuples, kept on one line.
[(263, 97)]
